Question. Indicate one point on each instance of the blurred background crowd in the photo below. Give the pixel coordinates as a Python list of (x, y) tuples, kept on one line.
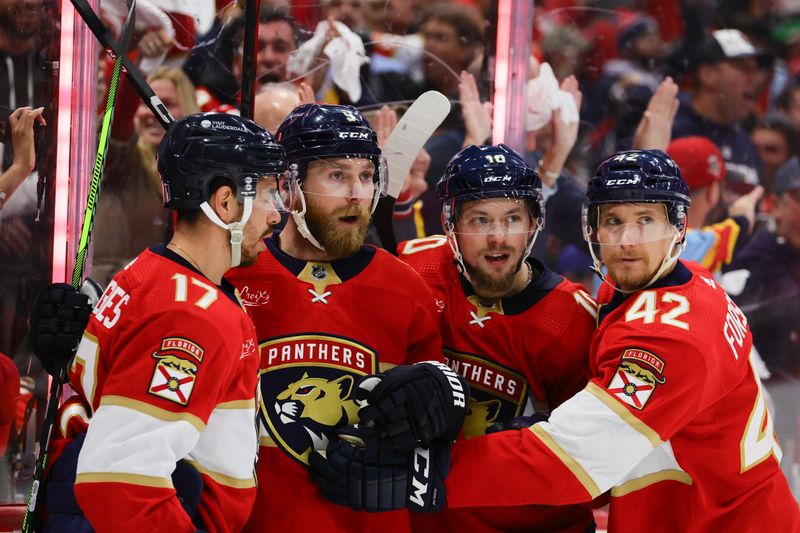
[(715, 83)]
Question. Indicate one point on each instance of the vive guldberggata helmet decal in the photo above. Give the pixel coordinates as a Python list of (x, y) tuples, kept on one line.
[(201, 148)]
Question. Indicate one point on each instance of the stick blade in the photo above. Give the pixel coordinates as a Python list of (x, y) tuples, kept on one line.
[(411, 133)]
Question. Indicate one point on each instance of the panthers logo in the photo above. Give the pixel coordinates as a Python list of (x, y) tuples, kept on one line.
[(481, 415), (315, 406)]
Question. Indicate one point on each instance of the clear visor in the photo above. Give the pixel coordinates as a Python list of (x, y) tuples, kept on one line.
[(273, 193), (503, 216), (345, 177), (631, 233)]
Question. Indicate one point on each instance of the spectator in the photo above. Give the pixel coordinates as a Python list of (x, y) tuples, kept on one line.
[(727, 84), (765, 281), (217, 67), (452, 35), (273, 103), (278, 36), (788, 103), (776, 139), (709, 242), (20, 128), (130, 212)]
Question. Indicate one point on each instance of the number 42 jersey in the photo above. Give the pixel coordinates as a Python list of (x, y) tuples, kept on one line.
[(674, 422)]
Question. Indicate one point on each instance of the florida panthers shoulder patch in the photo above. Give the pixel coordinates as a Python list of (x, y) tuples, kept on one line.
[(637, 376)]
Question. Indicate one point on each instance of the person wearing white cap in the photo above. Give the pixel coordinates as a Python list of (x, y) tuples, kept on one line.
[(727, 82)]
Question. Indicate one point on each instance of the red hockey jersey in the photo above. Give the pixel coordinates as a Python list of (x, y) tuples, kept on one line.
[(673, 423), (167, 370), (322, 326), (526, 353)]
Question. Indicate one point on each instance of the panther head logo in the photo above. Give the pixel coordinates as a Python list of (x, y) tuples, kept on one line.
[(481, 415), (317, 402)]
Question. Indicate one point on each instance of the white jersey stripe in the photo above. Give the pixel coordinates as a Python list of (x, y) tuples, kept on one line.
[(595, 441), (232, 430), (120, 441)]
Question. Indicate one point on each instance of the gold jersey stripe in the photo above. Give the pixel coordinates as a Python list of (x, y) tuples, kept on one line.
[(577, 470), (120, 477), (223, 479), (237, 404), (650, 479), (155, 412)]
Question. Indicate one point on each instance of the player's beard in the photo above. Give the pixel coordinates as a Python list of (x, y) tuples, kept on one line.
[(491, 282), (338, 241)]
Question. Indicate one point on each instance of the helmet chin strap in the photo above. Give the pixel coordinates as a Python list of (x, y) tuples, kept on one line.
[(236, 229), (299, 218)]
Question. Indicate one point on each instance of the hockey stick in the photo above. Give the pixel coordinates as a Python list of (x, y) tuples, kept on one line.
[(80, 259), (251, 8), (106, 38), (401, 149)]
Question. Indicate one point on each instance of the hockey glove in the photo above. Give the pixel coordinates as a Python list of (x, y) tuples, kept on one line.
[(411, 405), (357, 472), (517, 423), (57, 322)]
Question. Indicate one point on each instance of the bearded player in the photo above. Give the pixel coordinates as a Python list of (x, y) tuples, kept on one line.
[(328, 310), (516, 331)]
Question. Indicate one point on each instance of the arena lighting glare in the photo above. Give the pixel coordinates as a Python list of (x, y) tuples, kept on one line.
[(77, 128), (513, 50), (61, 203)]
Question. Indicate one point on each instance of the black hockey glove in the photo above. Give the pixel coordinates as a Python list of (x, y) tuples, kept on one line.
[(411, 405), (517, 423), (357, 472), (57, 322)]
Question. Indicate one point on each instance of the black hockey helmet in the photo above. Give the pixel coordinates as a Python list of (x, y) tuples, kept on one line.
[(479, 172), (313, 131), (201, 147), (635, 176)]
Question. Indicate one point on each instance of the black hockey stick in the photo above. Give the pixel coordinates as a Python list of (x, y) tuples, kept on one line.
[(106, 38), (402, 147), (251, 8), (80, 259)]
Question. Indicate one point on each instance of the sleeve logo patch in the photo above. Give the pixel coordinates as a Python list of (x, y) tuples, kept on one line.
[(636, 378), (174, 377)]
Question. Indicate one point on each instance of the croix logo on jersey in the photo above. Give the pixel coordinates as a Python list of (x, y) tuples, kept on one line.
[(174, 377), (637, 376)]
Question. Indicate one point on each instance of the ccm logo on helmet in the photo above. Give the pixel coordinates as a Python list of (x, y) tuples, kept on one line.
[(353, 135), (626, 181)]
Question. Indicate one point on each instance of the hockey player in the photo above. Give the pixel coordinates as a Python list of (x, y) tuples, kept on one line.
[(355, 310), (673, 421), (167, 368), (518, 332)]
